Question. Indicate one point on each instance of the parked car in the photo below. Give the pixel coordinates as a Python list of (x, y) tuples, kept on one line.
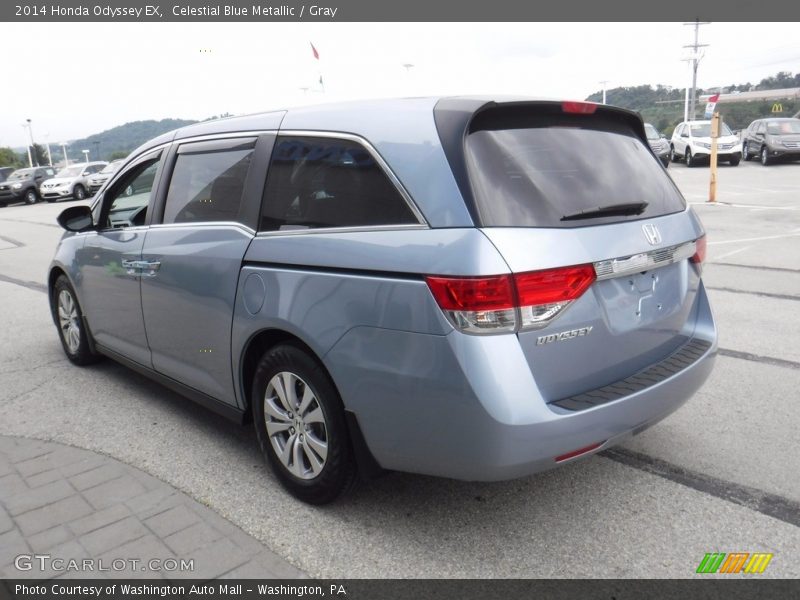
[(96, 181), (454, 287), (5, 172), (691, 142), (772, 140), (71, 182), (658, 144), (23, 185)]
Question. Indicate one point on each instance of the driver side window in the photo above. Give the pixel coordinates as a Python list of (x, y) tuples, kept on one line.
[(129, 199)]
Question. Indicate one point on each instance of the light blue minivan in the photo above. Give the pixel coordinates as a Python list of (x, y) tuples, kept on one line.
[(472, 288)]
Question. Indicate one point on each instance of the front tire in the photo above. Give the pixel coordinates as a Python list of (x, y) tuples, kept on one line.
[(31, 197), (300, 425), (765, 159), (690, 160), (71, 326), (79, 193)]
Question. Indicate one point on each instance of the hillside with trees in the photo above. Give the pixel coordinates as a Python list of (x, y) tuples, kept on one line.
[(663, 106), (119, 141)]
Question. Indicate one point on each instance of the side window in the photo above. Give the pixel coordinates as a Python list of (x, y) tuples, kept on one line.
[(326, 182), (128, 200), (760, 128), (207, 186)]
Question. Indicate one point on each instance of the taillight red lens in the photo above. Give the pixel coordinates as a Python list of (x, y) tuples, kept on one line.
[(700, 251), (472, 293), (579, 108), (578, 452), (553, 285)]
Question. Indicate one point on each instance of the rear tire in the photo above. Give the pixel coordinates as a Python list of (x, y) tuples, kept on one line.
[(71, 326), (734, 162), (745, 155), (672, 155), (300, 425)]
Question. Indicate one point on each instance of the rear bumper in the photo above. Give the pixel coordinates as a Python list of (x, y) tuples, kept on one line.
[(467, 407)]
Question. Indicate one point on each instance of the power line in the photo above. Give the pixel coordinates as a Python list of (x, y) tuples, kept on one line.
[(695, 58)]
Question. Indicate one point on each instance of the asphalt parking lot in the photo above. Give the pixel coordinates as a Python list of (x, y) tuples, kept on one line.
[(720, 475)]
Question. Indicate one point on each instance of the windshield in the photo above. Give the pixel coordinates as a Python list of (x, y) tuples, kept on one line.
[(783, 127), (704, 130), (111, 167), (26, 174), (70, 172), (652, 132)]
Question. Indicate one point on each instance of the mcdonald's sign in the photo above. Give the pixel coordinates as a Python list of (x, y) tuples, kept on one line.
[(734, 562), (777, 107)]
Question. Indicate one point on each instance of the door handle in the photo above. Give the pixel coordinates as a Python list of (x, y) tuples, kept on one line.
[(150, 267), (146, 268)]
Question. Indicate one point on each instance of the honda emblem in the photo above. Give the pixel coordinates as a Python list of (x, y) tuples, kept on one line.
[(652, 234)]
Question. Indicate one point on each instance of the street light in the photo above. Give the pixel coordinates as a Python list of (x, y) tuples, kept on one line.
[(33, 149), (85, 156), (604, 82), (64, 150)]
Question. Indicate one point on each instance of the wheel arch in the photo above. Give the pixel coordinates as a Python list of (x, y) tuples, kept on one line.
[(255, 348)]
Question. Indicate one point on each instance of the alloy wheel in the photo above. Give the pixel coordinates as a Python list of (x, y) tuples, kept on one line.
[(69, 321), (296, 425)]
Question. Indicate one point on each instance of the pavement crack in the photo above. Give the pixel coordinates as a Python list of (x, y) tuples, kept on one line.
[(766, 503), (769, 360), (753, 293)]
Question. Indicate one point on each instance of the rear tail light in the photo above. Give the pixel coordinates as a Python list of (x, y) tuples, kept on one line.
[(699, 256), (507, 303)]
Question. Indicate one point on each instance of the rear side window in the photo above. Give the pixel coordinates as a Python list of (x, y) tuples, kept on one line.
[(328, 182), (207, 186), (536, 176)]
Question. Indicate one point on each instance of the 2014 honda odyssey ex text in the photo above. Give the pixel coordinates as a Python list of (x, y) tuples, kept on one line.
[(463, 287)]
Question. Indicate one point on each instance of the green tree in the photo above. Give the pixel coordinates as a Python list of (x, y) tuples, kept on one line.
[(118, 154), (9, 158), (39, 155)]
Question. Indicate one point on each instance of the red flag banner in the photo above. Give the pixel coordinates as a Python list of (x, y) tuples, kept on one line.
[(714, 98), (314, 50)]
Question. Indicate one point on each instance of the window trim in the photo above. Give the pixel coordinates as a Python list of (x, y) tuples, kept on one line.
[(421, 223), (157, 154)]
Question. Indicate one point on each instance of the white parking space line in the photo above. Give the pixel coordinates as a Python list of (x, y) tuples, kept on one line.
[(755, 239), (726, 255)]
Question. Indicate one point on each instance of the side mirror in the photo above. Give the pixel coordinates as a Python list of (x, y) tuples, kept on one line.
[(76, 218)]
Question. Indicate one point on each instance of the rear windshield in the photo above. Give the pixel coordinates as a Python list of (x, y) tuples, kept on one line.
[(537, 176)]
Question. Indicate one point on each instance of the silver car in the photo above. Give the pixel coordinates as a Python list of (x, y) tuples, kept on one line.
[(450, 286)]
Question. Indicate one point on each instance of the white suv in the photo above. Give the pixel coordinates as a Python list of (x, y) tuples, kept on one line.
[(71, 182), (691, 142)]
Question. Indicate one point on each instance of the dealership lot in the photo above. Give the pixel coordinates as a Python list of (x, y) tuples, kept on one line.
[(719, 475)]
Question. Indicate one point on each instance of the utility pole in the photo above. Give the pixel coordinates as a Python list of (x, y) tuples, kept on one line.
[(604, 82), (695, 58)]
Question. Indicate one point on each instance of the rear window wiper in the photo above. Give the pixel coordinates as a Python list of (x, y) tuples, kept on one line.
[(612, 210)]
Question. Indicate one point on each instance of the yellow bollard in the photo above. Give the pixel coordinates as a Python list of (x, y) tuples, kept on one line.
[(712, 190)]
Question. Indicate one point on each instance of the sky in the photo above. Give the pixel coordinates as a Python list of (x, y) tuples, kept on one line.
[(82, 78)]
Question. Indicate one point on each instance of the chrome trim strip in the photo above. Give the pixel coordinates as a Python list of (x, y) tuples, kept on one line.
[(321, 230), (636, 263), (206, 137), (205, 224), (378, 159)]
